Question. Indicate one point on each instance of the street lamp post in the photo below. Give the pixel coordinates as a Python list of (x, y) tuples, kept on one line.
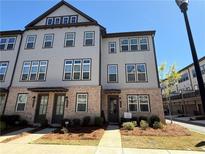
[(183, 5)]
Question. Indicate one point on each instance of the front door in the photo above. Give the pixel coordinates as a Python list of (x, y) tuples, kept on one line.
[(113, 109), (41, 108), (58, 109)]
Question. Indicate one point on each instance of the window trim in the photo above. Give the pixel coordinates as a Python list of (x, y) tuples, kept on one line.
[(44, 41), (76, 104), (117, 76), (33, 42), (20, 80), (70, 19), (48, 19), (64, 18), (81, 79), (90, 64), (55, 18), (15, 110), (136, 73), (65, 72), (138, 103), (7, 42), (74, 36), (5, 71), (84, 39), (109, 47)]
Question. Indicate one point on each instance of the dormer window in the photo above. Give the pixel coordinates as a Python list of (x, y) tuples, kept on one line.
[(73, 19), (57, 20), (66, 20), (49, 21)]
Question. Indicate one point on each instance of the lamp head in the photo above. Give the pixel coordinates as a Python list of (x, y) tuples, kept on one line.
[(182, 4)]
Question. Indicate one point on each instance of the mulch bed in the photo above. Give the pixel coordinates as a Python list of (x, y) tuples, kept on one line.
[(167, 130), (81, 133)]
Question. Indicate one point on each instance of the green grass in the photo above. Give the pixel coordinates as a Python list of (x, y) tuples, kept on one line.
[(66, 142), (166, 142)]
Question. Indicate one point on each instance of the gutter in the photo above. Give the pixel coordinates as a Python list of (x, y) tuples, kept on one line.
[(12, 76)]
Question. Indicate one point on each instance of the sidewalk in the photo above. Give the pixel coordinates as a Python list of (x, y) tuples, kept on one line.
[(14, 133), (31, 137)]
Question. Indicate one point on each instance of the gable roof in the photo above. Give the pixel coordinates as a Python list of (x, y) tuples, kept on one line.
[(55, 7)]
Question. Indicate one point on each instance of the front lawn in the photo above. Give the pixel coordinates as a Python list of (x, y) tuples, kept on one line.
[(173, 137), (75, 136)]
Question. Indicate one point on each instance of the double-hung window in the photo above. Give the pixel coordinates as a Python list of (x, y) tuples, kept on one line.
[(89, 38), (141, 72), (143, 43), (82, 101), (30, 42), (65, 20), (133, 44), (48, 41), (3, 70), (21, 102), (136, 72), (144, 103), (124, 45), (34, 70), (112, 73), (131, 72), (132, 103), (138, 103), (69, 39), (49, 21), (112, 47), (57, 20), (68, 68), (7, 43), (77, 70), (86, 69), (73, 19)]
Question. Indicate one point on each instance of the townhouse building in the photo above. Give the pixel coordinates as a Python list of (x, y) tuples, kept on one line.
[(68, 66), (185, 97)]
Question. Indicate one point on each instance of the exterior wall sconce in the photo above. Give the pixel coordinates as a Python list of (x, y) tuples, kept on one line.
[(34, 100), (66, 101)]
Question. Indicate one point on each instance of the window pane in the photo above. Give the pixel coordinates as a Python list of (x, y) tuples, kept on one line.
[(69, 43), (112, 77), (12, 40), (10, 46), (30, 45), (76, 76), (133, 107), (3, 40), (86, 75), (2, 46), (81, 107), (131, 77), (89, 42), (112, 69), (141, 68), (68, 76), (141, 77), (144, 107), (131, 68)]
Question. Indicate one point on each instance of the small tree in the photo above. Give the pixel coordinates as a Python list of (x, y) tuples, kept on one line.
[(171, 80)]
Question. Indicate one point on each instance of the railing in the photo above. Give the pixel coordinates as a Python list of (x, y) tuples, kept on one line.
[(183, 95)]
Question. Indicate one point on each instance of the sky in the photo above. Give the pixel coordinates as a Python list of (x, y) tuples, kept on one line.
[(164, 16)]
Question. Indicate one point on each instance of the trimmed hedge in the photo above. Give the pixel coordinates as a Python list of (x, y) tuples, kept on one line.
[(153, 119), (128, 125)]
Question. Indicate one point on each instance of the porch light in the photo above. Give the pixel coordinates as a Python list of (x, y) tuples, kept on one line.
[(34, 100)]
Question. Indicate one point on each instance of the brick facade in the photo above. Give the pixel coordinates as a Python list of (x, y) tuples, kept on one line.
[(156, 107), (94, 93)]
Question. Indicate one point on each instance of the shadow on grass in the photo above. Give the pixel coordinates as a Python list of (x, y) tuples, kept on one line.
[(200, 144)]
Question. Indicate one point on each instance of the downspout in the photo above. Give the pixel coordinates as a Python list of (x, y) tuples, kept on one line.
[(12, 76), (155, 58)]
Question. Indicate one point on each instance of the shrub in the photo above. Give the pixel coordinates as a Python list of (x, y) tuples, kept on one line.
[(144, 124), (23, 123), (10, 119), (2, 125), (64, 130), (128, 125), (134, 123), (76, 122), (125, 120), (86, 121), (152, 119), (157, 125), (98, 121), (44, 123), (66, 120)]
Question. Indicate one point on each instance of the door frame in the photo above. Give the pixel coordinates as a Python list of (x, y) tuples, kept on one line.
[(38, 105), (118, 107), (54, 106)]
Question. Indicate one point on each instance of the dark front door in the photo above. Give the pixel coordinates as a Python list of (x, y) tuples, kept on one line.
[(58, 109), (41, 108), (113, 109)]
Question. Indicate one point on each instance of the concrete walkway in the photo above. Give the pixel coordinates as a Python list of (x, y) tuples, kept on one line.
[(6, 148), (198, 129), (14, 133), (111, 141), (31, 137)]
